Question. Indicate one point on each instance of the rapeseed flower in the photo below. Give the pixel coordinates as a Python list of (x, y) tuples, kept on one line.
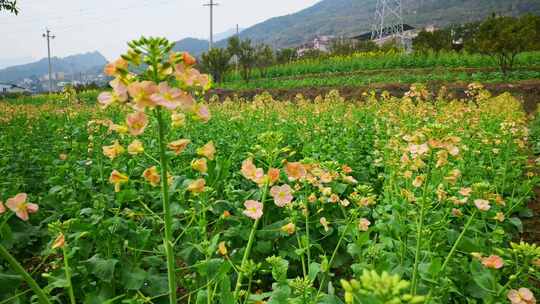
[(21, 207), (178, 146), (118, 179), (282, 195), (152, 176), (254, 209)]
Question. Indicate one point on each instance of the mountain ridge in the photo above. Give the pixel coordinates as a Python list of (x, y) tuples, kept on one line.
[(348, 18), (78, 63)]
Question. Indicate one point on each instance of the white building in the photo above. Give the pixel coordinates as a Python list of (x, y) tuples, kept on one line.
[(409, 33), (319, 43), (6, 88)]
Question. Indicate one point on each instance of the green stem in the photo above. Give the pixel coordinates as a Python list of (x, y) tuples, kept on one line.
[(167, 239), (333, 256), (42, 297), (15, 297), (456, 243), (302, 255), (249, 287), (248, 248), (414, 281), (308, 245), (68, 275)]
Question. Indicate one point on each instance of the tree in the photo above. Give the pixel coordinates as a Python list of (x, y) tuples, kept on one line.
[(216, 62), (348, 46), (366, 46), (265, 58), (391, 45), (233, 46), (313, 54), (505, 37), (533, 21), (464, 36), (246, 54), (342, 47), (436, 41), (286, 55), (9, 5)]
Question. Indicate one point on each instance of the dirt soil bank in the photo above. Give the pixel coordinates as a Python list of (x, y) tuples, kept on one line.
[(528, 91)]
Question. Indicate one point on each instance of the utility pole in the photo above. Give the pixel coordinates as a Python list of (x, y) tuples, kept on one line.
[(48, 36), (236, 59), (211, 5)]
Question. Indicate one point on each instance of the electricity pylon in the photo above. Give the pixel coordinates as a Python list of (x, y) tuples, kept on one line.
[(388, 20)]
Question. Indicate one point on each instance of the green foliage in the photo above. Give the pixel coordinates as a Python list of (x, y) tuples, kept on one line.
[(265, 58), (216, 62), (383, 77), (346, 47), (115, 255), (245, 53), (9, 5), (506, 37), (374, 288), (436, 41), (286, 55)]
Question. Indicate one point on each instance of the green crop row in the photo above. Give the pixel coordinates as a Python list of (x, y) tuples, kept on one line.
[(359, 80), (389, 60)]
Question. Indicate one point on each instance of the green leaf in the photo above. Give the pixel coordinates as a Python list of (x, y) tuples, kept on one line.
[(517, 223), (314, 269), (133, 278), (225, 289), (280, 267), (126, 196), (55, 189), (201, 297), (156, 284), (330, 299), (483, 277), (280, 293), (211, 267), (102, 268), (339, 188)]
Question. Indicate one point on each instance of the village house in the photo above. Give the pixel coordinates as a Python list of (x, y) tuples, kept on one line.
[(8, 88), (319, 43)]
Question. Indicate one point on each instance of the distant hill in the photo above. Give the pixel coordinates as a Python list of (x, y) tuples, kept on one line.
[(352, 17), (192, 45), (81, 63), (197, 46), (228, 33)]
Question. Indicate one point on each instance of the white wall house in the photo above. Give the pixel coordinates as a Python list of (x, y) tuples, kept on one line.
[(6, 88), (319, 43)]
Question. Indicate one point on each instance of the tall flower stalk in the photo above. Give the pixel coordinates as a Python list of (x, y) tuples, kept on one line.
[(249, 245), (166, 81), (42, 297), (168, 237)]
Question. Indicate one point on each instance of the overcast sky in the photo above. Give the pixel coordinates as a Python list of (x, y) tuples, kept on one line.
[(106, 25)]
